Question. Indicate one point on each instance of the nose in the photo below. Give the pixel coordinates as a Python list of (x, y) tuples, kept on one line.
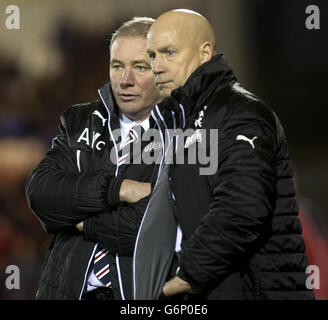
[(157, 65), (127, 78)]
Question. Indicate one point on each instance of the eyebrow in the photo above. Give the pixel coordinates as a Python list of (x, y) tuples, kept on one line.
[(140, 62), (115, 61), (133, 62), (163, 48)]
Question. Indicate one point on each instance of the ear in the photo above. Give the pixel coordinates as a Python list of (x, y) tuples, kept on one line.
[(206, 51)]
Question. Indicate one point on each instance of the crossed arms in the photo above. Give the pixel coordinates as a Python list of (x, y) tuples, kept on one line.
[(95, 202)]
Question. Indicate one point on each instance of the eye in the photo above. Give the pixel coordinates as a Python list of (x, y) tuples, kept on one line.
[(152, 55), (141, 68), (116, 67), (170, 52)]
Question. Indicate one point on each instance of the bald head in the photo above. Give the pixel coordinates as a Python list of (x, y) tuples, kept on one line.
[(190, 23), (178, 42)]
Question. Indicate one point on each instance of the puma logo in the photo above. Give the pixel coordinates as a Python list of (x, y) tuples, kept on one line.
[(98, 114), (241, 137)]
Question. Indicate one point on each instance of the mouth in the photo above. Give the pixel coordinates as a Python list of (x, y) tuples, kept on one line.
[(127, 96), (161, 84)]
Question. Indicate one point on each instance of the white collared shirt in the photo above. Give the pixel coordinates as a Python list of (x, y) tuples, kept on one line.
[(126, 124)]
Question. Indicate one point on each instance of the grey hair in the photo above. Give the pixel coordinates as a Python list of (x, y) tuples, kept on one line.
[(136, 27)]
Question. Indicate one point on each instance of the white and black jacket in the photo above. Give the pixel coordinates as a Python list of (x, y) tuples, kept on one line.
[(78, 181)]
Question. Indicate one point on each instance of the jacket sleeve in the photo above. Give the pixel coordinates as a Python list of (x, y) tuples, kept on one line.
[(243, 193), (116, 230), (59, 195)]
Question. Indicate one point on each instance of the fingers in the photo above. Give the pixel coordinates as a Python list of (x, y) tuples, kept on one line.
[(132, 191), (175, 286)]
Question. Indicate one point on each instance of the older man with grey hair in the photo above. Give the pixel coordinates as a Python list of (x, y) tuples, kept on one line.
[(90, 203)]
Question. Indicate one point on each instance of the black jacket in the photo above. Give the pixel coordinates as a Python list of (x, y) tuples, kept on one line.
[(78, 180), (241, 232)]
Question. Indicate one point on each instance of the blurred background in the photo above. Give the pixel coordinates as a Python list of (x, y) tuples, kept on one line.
[(59, 57)]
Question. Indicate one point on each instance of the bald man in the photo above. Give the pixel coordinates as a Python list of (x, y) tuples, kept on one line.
[(241, 235), (178, 44)]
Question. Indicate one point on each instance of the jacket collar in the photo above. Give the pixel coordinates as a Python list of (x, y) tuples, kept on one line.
[(106, 95), (207, 79)]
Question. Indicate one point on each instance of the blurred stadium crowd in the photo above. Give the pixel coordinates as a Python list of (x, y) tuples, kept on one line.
[(29, 118)]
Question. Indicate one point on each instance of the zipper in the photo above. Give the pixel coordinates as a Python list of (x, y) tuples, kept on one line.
[(158, 174), (119, 276), (110, 131), (86, 273), (78, 163), (116, 174), (184, 116)]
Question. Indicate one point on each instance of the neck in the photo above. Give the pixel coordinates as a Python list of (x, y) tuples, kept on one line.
[(137, 117)]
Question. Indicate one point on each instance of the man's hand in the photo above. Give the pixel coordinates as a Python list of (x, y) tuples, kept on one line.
[(130, 191), (79, 226), (133, 191), (176, 285)]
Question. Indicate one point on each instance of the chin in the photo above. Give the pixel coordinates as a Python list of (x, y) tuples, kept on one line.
[(135, 114), (165, 93)]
